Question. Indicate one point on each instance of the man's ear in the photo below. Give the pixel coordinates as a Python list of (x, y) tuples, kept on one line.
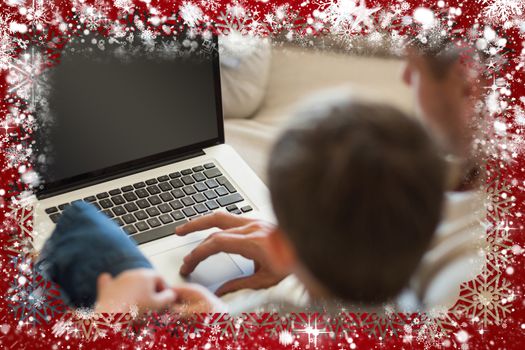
[(408, 67), (285, 255), (406, 74)]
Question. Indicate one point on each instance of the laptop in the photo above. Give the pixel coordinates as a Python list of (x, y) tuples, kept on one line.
[(140, 135)]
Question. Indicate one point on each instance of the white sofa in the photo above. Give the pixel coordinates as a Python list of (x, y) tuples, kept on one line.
[(295, 73)]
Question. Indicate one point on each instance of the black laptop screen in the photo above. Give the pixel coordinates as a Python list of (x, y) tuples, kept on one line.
[(109, 113)]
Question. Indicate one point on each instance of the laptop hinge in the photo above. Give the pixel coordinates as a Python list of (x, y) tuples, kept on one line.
[(157, 164)]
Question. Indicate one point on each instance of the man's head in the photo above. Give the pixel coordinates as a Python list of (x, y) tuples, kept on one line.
[(445, 90), (357, 190)]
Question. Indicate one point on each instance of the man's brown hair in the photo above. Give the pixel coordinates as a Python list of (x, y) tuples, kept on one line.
[(358, 190)]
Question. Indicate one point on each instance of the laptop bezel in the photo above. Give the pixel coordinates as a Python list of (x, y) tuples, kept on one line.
[(131, 167)]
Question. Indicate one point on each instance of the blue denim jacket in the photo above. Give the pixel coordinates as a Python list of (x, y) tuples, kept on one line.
[(84, 244)]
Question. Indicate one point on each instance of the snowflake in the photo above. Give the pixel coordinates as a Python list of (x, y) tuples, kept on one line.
[(342, 324), (7, 46), (126, 6), (93, 16), (117, 327), (499, 200), (9, 127), (17, 155), (21, 43), (190, 13), (285, 338), (64, 327), (189, 327), (375, 38), (311, 325), (21, 247), (504, 10), (215, 329), (486, 299), (210, 5), (29, 177), (92, 24), (498, 245), (270, 323), (432, 327), (349, 15), (386, 18), (512, 145), (236, 10), (225, 325), (242, 26), (91, 326), (84, 313), (26, 78), (148, 37), (521, 59), (134, 311), (280, 20), (34, 299), (380, 325), (323, 4), (39, 12), (18, 119), (18, 220)]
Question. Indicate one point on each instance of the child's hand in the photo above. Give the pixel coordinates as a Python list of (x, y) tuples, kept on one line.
[(193, 298), (142, 288)]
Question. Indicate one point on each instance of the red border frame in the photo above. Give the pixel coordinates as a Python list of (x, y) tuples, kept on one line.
[(163, 331)]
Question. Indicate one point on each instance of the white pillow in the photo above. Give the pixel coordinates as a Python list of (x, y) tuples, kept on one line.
[(245, 67)]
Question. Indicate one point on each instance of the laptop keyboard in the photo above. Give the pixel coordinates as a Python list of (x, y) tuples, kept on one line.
[(152, 209)]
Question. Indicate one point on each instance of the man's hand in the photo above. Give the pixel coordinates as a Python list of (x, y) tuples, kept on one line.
[(247, 237), (193, 298), (142, 288)]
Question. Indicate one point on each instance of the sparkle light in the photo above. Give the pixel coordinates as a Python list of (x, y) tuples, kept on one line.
[(312, 331)]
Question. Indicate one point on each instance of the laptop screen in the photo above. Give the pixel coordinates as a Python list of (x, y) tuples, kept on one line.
[(113, 110)]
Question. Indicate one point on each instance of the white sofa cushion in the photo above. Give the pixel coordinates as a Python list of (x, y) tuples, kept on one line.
[(245, 67), (296, 73)]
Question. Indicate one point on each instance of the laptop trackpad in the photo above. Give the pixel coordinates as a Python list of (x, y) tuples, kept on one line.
[(211, 273)]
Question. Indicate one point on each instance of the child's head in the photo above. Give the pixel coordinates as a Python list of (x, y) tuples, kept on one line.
[(357, 189)]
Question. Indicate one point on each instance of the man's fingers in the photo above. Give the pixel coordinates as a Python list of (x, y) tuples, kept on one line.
[(216, 243), (237, 284), (219, 219), (243, 230)]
